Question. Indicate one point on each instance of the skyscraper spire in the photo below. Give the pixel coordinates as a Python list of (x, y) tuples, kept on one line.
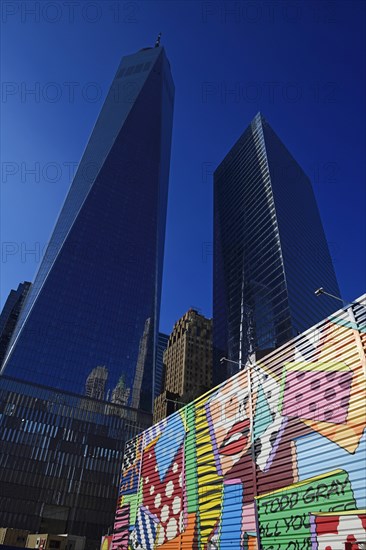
[(88, 328), (157, 43), (97, 315)]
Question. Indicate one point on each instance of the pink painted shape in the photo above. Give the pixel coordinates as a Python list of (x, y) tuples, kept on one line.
[(248, 518), (317, 395)]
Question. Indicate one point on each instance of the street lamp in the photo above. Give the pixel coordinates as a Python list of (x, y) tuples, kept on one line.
[(320, 291), (249, 382), (248, 367), (347, 308), (174, 401), (231, 361)]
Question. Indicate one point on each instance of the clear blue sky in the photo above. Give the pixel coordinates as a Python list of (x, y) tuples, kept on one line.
[(301, 63)]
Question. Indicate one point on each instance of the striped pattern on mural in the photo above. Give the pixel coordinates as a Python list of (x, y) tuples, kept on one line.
[(273, 458)]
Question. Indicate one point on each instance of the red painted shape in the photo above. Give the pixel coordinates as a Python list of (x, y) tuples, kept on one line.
[(163, 499), (327, 525)]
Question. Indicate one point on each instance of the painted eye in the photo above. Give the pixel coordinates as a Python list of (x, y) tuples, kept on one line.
[(242, 406), (244, 403)]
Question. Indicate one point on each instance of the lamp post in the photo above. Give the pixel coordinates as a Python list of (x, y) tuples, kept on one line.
[(348, 308), (248, 367), (320, 291), (174, 401)]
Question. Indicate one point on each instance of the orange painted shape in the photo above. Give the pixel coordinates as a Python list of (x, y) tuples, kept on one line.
[(186, 540), (252, 543), (345, 435)]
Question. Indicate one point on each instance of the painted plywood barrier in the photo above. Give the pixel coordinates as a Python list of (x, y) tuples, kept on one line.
[(274, 458)]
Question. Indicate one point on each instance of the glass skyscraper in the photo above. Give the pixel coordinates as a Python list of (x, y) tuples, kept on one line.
[(60, 459), (78, 379), (10, 314), (270, 250), (159, 368), (96, 297)]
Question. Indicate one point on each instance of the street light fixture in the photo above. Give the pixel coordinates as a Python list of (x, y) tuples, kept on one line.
[(248, 367), (320, 291), (230, 361), (174, 401)]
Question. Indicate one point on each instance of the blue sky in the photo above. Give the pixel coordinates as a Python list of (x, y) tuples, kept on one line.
[(301, 63)]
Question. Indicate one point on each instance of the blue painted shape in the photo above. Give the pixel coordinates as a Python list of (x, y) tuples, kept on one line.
[(130, 480), (318, 455), (153, 432), (349, 324), (230, 528), (169, 443), (131, 467), (263, 417), (146, 528)]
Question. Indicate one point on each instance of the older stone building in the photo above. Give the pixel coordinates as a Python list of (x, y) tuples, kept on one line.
[(187, 363)]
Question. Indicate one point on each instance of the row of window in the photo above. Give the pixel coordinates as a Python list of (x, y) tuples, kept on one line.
[(134, 69)]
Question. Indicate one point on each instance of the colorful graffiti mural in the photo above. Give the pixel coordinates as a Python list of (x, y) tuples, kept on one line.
[(274, 458), (106, 543)]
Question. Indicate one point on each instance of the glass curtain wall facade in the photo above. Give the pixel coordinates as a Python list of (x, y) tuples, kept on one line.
[(159, 370), (270, 250), (60, 459), (10, 314), (96, 298)]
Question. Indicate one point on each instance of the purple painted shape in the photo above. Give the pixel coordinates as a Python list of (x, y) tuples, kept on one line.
[(182, 527), (276, 444), (153, 517), (234, 481), (314, 542)]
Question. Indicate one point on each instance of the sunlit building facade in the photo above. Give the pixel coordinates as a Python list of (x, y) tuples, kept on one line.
[(98, 288), (187, 363), (78, 378), (270, 250), (159, 364)]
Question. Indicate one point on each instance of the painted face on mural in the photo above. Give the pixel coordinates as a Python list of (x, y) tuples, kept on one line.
[(229, 415)]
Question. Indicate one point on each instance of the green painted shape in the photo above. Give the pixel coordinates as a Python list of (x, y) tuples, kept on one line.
[(263, 417), (284, 515), (139, 494), (132, 500), (190, 461)]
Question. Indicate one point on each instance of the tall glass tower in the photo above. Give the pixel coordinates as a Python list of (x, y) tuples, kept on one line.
[(96, 297), (270, 250)]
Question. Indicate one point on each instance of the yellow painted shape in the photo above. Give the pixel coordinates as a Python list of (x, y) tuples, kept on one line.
[(347, 435), (207, 479), (336, 366), (343, 513), (152, 443), (342, 342)]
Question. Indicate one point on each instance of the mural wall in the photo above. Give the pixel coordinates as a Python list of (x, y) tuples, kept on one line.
[(274, 458)]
